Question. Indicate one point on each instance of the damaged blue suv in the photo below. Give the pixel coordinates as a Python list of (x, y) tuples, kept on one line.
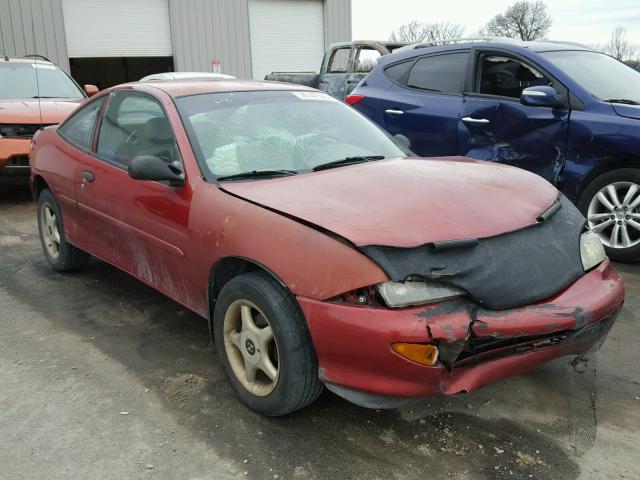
[(567, 113)]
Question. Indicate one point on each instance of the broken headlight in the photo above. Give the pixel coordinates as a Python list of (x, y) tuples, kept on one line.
[(404, 294), (591, 250)]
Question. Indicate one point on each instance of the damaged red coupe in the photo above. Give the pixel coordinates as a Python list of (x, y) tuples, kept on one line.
[(320, 251)]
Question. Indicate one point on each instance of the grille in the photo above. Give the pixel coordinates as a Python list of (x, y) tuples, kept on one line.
[(587, 338), (19, 130), (18, 161)]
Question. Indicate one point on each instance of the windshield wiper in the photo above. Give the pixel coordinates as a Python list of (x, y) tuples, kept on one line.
[(622, 100), (257, 174), (43, 96), (348, 161)]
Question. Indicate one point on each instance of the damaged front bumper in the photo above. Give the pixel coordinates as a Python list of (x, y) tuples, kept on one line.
[(477, 346)]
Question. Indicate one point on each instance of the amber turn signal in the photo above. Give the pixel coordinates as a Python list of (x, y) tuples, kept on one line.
[(417, 352)]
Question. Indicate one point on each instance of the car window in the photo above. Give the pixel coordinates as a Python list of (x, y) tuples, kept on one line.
[(507, 77), (399, 71), (79, 128), (339, 60), (366, 59), (135, 124), (36, 80), (439, 73)]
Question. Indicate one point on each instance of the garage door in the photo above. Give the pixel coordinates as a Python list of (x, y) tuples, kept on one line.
[(117, 28), (286, 35)]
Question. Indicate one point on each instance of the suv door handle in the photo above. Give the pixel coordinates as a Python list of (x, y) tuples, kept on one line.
[(88, 176), (394, 112), (475, 121)]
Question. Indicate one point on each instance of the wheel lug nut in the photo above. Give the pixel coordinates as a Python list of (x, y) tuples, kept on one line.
[(615, 208), (624, 208), (619, 222), (613, 217), (627, 217)]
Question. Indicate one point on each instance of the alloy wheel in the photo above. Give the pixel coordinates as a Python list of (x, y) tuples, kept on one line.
[(614, 214), (50, 232), (251, 347)]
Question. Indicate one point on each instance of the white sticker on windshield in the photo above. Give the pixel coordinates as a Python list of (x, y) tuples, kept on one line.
[(314, 96), (43, 65)]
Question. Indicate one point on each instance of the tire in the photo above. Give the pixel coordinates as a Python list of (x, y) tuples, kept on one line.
[(61, 255), (624, 217), (296, 384)]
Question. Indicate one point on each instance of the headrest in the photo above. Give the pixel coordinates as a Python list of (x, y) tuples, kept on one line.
[(157, 130)]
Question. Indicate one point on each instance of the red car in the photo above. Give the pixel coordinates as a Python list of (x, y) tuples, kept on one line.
[(319, 251)]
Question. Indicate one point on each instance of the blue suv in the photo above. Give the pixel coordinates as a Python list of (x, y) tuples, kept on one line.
[(568, 113)]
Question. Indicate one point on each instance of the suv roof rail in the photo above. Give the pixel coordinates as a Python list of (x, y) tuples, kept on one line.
[(573, 44), (453, 41), (41, 57)]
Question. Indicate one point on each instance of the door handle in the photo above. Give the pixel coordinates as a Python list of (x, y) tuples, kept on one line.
[(394, 112), (88, 176), (475, 121)]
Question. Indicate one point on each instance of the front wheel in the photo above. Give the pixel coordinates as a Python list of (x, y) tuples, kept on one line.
[(611, 204), (60, 254), (263, 342)]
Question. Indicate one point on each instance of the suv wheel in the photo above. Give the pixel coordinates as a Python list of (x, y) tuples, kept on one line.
[(611, 204), (60, 254), (263, 342)]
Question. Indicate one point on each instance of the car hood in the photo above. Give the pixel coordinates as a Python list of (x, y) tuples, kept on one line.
[(629, 111), (28, 111), (407, 202)]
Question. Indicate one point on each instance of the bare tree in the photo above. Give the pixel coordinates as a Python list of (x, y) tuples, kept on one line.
[(417, 32), (619, 46), (524, 20)]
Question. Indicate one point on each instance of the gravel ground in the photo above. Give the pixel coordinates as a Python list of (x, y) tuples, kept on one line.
[(102, 377)]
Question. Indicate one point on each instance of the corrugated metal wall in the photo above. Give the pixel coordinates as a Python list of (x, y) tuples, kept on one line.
[(206, 30), (33, 27), (201, 31), (337, 21)]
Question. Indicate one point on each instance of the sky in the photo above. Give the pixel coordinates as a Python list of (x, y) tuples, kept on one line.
[(584, 21)]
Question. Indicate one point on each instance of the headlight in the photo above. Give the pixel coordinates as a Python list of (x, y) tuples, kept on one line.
[(404, 294), (591, 250)]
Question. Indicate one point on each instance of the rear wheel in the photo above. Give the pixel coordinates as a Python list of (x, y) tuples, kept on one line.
[(611, 204), (60, 254), (262, 340)]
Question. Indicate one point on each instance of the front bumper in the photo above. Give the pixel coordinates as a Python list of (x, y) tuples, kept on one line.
[(353, 343), (14, 157)]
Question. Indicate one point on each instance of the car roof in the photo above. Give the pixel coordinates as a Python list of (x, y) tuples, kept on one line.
[(180, 88), (4, 60), (178, 75)]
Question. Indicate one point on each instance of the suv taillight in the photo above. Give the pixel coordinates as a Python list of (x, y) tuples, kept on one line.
[(353, 99)]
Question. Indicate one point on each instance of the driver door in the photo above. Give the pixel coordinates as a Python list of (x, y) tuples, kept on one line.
[(495, 126), (139, 226)]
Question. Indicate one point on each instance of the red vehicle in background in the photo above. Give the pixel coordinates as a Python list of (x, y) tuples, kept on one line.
[(320, 252), (34, 92)]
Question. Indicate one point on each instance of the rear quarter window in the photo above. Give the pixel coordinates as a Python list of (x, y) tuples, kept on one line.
[(80, 127)]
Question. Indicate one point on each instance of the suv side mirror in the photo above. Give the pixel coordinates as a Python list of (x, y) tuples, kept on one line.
[(91, 90), (542, 96), (148, 167)]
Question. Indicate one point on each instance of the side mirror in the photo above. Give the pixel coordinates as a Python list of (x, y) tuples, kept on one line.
[(148, 167), (91, 90), (542, 96)]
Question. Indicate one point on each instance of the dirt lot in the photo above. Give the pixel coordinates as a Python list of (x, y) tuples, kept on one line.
[(102, 377)]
